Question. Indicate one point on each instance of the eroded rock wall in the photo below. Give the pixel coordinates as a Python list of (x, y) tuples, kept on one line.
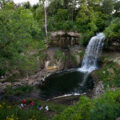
[(64, 39)]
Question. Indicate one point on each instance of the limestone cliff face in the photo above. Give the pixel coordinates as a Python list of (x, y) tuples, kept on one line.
[(64, 39)]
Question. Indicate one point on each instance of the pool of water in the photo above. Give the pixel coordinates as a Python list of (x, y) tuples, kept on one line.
[(65, 83)]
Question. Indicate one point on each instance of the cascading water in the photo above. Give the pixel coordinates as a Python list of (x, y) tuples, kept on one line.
[(92, 53), (91, 56)]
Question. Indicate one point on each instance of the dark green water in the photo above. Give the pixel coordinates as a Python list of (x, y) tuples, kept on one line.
[(67, 82)]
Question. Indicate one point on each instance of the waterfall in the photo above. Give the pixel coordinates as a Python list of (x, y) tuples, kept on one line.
[(91, 56), (92, 53)]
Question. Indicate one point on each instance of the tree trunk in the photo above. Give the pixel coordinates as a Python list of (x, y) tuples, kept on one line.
[(45, 12)]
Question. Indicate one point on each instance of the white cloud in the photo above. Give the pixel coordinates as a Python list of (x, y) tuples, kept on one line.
[(31, 1)]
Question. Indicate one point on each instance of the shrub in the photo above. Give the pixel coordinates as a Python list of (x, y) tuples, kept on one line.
[(109, 75), (18, 91), (113, 30), (106, 107)]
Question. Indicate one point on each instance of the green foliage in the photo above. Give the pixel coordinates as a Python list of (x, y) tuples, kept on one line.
[(61, 21), (101, 21), (105, 107), (86, 21), (109, 75), (9, 91), (39, 15), (61, 15), (108, 6), (19, 30), (113, 30), (89, 17), (78, 112), (58, 55)]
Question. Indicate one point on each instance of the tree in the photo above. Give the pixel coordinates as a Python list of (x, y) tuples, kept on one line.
[(17, 29), (45, 3)]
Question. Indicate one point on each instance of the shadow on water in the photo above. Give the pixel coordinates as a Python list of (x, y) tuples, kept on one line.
[(67, 82)]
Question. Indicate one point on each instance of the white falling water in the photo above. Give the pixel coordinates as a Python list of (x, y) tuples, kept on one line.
[(91, 56), (92, 53)]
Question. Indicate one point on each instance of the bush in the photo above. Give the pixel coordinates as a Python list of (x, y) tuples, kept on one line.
[(106, 107), (109, 75), (113, 30), (18, 91)]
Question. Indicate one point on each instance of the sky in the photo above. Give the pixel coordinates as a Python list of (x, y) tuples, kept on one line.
[(31, 1)]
